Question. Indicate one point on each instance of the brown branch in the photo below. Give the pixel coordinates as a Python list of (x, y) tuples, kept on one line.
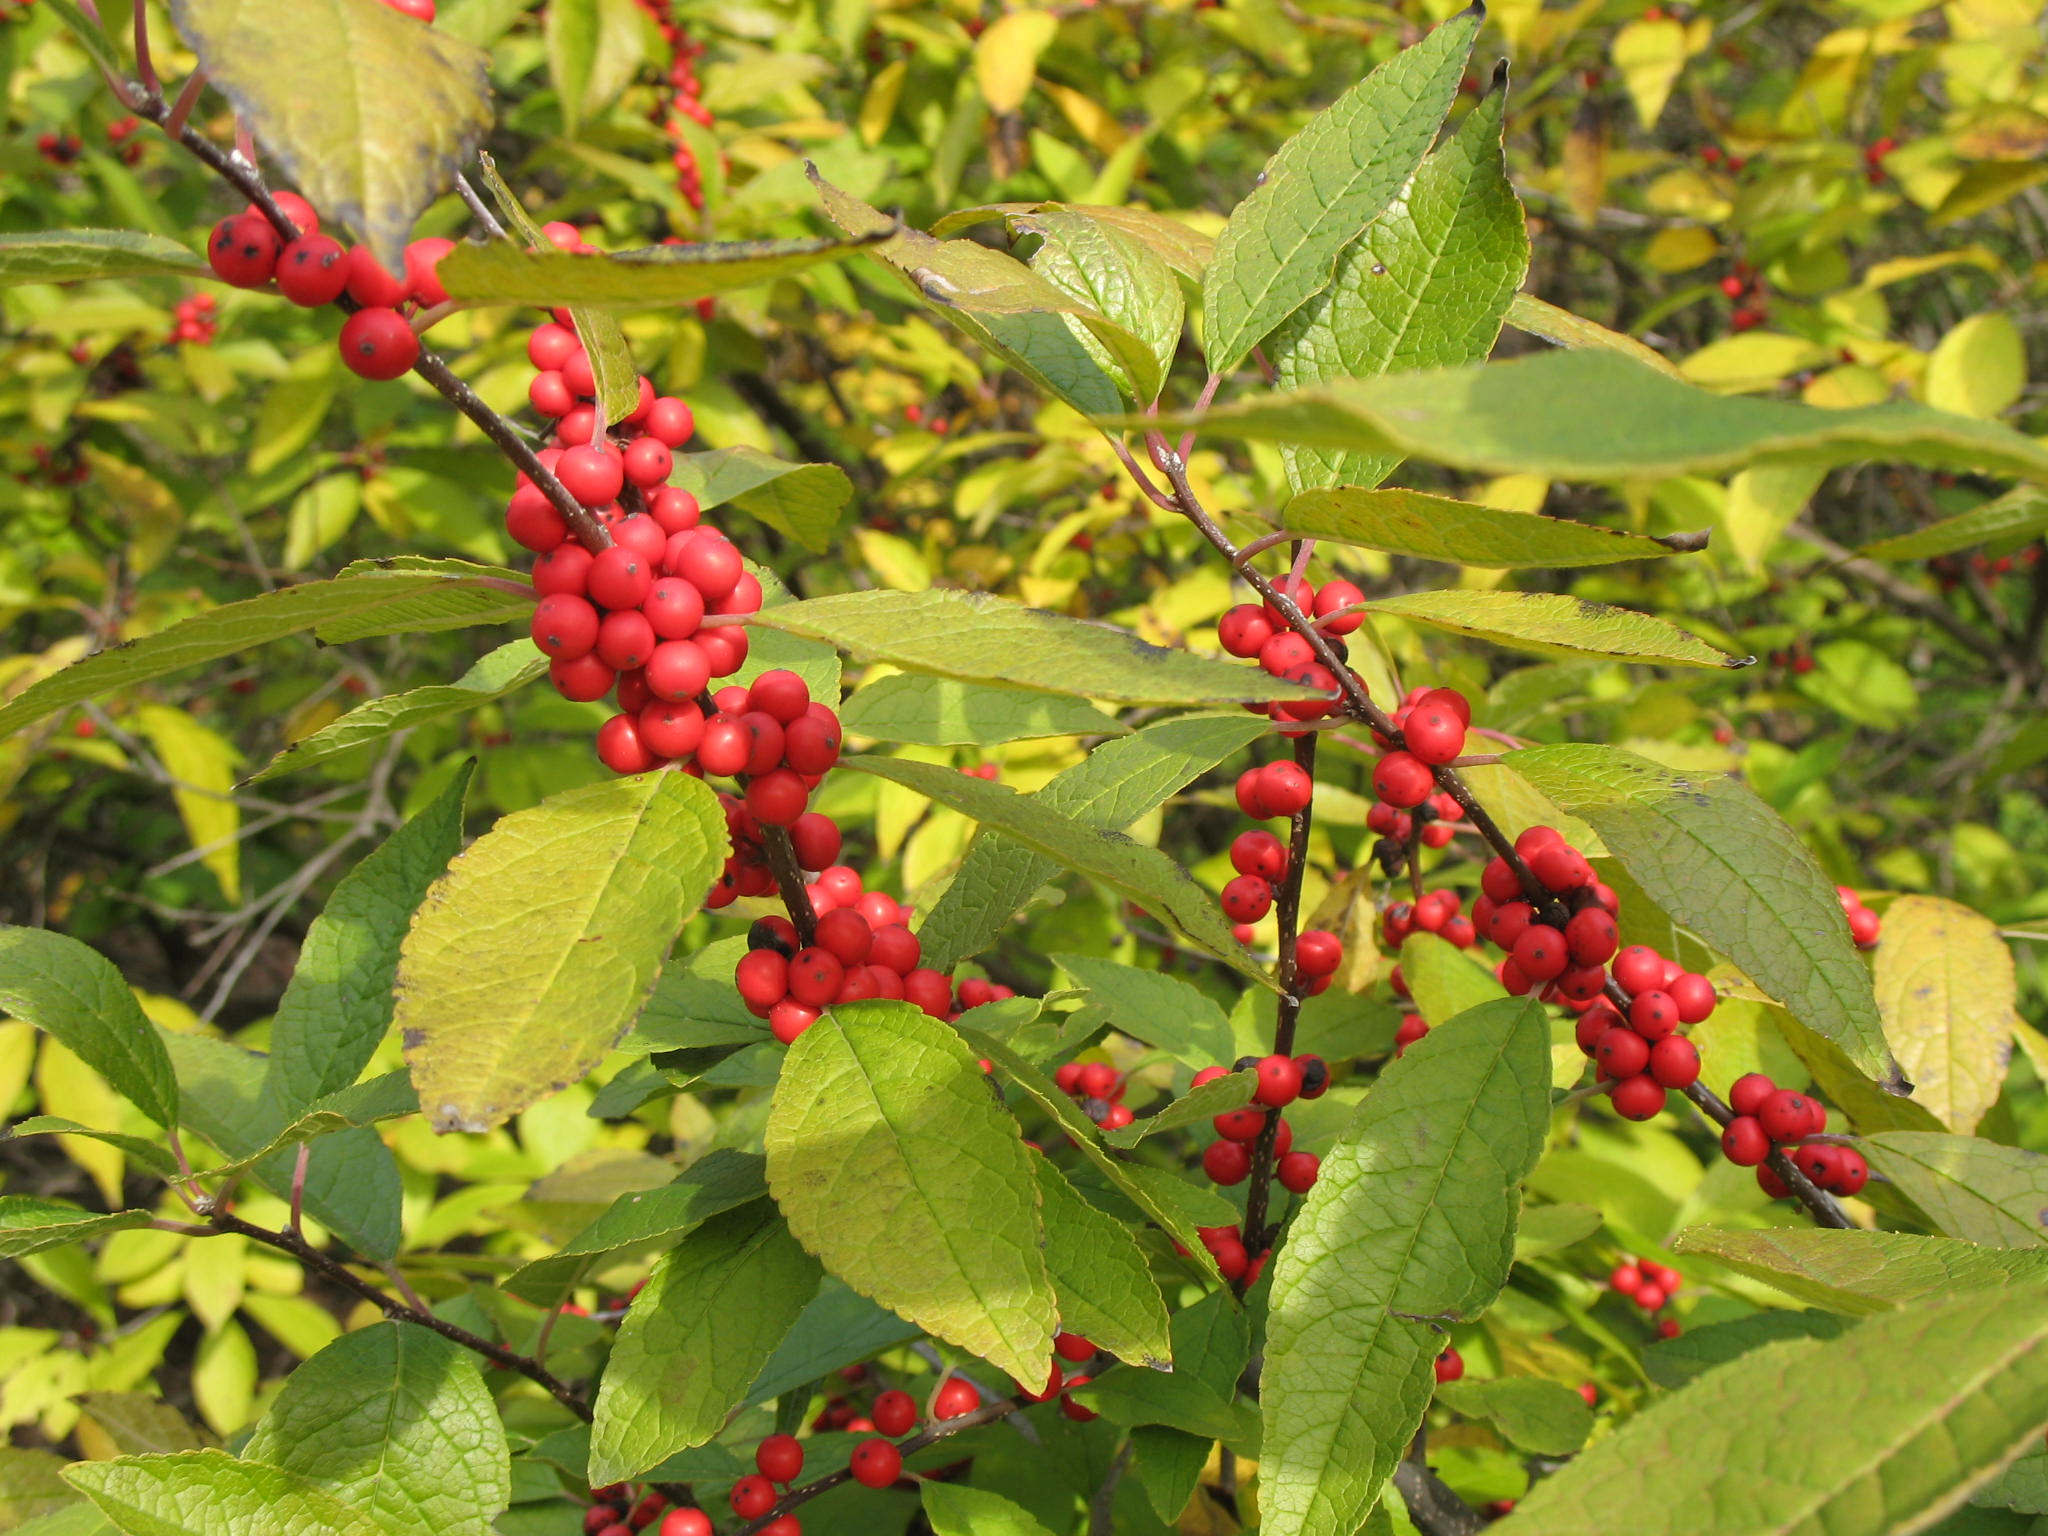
[(1435, 1509), (789, 880)]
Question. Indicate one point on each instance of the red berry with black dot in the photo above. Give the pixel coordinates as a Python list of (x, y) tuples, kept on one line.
[(1244, 630), (1285, 787), (243, 250), (777, 798), (564, 626), (1315, 1076), (370, 282), (1450, 1365), (1592, 937), (669, 422), (1402, 779), (1317, 952), (815, 977), (752, 1496), (1653, 1015), (586, 679), (894, 1413), (1693, 996), (1852, 1172), (1239, 1124), (1246, 899), (620, 748), (378, 344), (592, 474), (1540, 953), (1744, 1143), (1622, 1053), (1638, 1098), (1638, 968), (312, 270), (1434, 735), (1279, 1082), (1259, 853), (1297, 1170), (625, 640), (1331, 600), (1747, 1093), (876, 1464), (620, 578), (1786, 1115), (647, 462)]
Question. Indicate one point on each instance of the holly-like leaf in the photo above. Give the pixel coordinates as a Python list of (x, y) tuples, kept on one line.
[(1537, 1414), (1151, 1006), (945, 712), (210, 1493), (395, 1422), (339, 1003), (1553, 624), (800, 501), (79, 255), (29, 1224), (1120, 278), (696, 1337), (1143, 875), (1441, 528), (1105, 1288), (370, 112), (1945, 1395), (1978, 1191), (74, 994), (529, 958), (1725, 866), (1324, 187), (501, 273), (1946, 990), (1864, 1272), (899, 1170), (1412, 1218), (1425, 286)]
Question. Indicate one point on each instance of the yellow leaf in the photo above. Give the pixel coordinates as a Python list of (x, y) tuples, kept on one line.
[(1840, 388), (1754, 360), (894, 561), (1761, 504), (17, 1060), (1945, 987), (1650, 55), (1681, 248), (878, 106), (214, 1278), (1979, 368), (1584, 168), (1006, 57), (224, 1379), (1089, 117), (71, 1090), (202, 765)]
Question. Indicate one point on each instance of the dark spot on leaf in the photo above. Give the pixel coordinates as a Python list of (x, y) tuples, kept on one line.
[(413, 1038)]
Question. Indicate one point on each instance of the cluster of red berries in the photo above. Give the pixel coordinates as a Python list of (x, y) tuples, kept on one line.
[(1068, 1349), (1745, 290), (1863, 923), (1715, 155), (616, 1511), (377, 340), (59, 148), (1277, 1082), (1099, 1089), (1259, 632), (1874, 158), (1637, 1050), (1769, 1118), (850, 957), (121, 137), (1649, 1285), (684, 102), (1948, 570), (195, 322)]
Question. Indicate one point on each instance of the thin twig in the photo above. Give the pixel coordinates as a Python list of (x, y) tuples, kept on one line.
[(479, 208)]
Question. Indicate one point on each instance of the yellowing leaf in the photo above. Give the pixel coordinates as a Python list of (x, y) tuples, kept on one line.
[(1681, 247), (1979, 368), (1945, 987), (1006, 56), (878, 106), (201, 762), (1650, 55), (1752, 360)]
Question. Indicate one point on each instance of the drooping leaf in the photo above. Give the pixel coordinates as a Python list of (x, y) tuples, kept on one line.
[(32, 1485), (395, 1422), (1945, 1395), (1326, 185), (2020, 513), (137, 1149), (800, 501), (1946, 990), (77, 255), (955, 1509), (1843, 1085), (1532, 1412), (1979, 1191), (387, 1097), (1105, 1288), (339, 1003), (371, 113), (1198, 1106), (531, 955), (1864, 1272), (1151, 1006), (1413, 1217), (1121, 279), (1427, 527), (501, 273), (1211, 1344), (1553, 624), (696, 1337), (944, 712), (1723, 864), (896, 1167), (29, 1224), (1144, 875), (210, 1493), (73, 993)]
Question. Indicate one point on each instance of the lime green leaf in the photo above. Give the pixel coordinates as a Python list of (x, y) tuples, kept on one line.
[(1325, 185), (1726, 867), (1132, 1397), (643, 1220), (72, 992), (1120, 278), (595, 47), (1154, 1007), (1144, 875), (137, 1423), (1443, 980), (1864, 1272), (1413, 1217), (696, 1337), (901, 1172), (1464, 533), (1979, 368), (1197, 1106), (801, 501), (1426, 286), (1185, 250), (386, 1097), (32, 1486), (836, 1329), (955, 1509), (201, 763), (364, 595), (1536, 317), (1546, 1417), (979, 638), (210, 1493), (371, 113), (466, 594), (501, 273), (147, 1153), (396, 1423), (1598, 416), (75, 255), (944, 712), (1105, 1288), (1552, 624), (503, 671), (29, 1224), (529, 958), (325, 510), (1116, 784), (1979, 1191), (1946, 990), (2020, 513), (1674, 1362), (1945, 1396)]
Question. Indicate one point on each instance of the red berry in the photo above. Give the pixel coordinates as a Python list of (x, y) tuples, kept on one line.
[(815, 976), (549, 345), (1591, 937), (1434, 735), (685, 1522), (1747, 1094), (1626, 1278), (1786, 1115), (895, 1413), (708, 559), (845, 933), (777, 798), (1259, 853), (780, 693), (780, 1458), (876, 1463), (620, 748), (810, 745), (312, 270), (1317, 953), (422, 280), (1071, 1346), (1297, 1170), (1279, 1082), (1692, 995), (1744, 1143), (678, 670), (816, 837), (243, 250), (1331, 600), (296, 209), (1450, 1365), (1653, 1015), (1247, 898), (1296, 589), (1622, 1052), (1540, 953), (1561, 868), (592, 474), (1851, 1171), (1239, 1124), (1402, 779), (1509, 922), (647, 462), (586, 679), (752, 1496), (1244, 630), (378, 344), (789, 1018), (1675, 1062), (1638, 968), (669, 422), (1227, 1162), (1072, 1409), (1650, 1297), (1285, 787), (955, 1399), (564, 626), (1638, 1098), (675, 509), (370, 283)]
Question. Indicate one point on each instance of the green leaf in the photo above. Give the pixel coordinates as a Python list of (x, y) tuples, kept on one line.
[(75, 255), (900, 1171), (1186, 251), (1546, 1417), (1132, 1397), (396, 1423), (1440, 528), (1443, 980), (800, 501), (944, 712), (29, 1224), (1105, 1288), (1425, 286), (1946, 991), (1144, 875), (531, 955), (1553, 624), (339, 1003), (1198, 1106), (1211, 1344), (1726, 867), (1324, 187), (838, 1328), (210, 1493), (387, 1097), (1979, 1191), (73, 993), (502, 273), (955, 1509), (979, 638), (1863, 1272), (2021, 513), (1112, 787), (696, 1337), (147, 1153), (137, 1423), (1598, 416), (1154, 1007), (31, 1485), (595, 47), (503, 671), (371, 113), (1945, 1395), (1536, 317), (642, 1220), (360, 602), (1671, 1363), (89, 35), (1123, 280), (1412, 1217)]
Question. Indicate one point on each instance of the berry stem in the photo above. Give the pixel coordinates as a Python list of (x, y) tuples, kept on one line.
[(789, 880), (145, 65)]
